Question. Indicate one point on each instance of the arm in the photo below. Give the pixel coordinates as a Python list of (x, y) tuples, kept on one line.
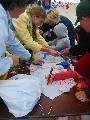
[(63, 75), (26, 34), (71, 34), (53, 42), (81, 48), (61, 44), (5, 62), (16, 48), (41, 40), (45, 27)]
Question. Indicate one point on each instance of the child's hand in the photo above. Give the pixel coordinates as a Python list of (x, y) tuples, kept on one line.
[(79, 85), (51, 78), (81, 96), (66, 52), (38, 61), (53, 52), (41, 32)]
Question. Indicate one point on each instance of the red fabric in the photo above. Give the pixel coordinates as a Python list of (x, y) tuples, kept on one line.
[(85, 84), (64, 75), (83, 66), (67, 7)]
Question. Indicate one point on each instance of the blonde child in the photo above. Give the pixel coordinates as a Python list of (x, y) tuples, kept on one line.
[(27, 28)]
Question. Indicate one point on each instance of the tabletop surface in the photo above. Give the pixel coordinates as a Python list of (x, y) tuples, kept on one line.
[(63, 105)]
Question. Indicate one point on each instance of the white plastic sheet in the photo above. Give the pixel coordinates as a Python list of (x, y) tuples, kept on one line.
[(21, 93)]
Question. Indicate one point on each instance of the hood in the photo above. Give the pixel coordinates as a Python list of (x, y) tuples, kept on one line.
[(48, 7), (61, 30)]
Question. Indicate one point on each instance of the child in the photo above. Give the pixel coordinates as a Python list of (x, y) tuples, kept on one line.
[(46, 4), (81, 75), (67, 6), (62, 41), (27, 28)]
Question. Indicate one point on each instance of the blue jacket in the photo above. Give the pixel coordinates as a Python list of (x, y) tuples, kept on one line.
[(9, 42), (48, 7)]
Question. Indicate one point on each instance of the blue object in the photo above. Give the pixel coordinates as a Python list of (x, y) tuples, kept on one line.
[(45, 54), (61, 51), (64, 64), (40, 64), (72, 62), (39, 101), (16, 78)]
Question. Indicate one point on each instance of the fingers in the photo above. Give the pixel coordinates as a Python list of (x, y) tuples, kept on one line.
[(41, 61), (79, 85)]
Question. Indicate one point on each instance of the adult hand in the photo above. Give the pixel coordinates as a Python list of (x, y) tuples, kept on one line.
[(38, 61), (15, 59), (66, 52), (81, 96), (41, 32), (53, 52)]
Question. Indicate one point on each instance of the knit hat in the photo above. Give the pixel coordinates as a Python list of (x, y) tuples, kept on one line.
[(52, 16), (83, 66), (82, 10)]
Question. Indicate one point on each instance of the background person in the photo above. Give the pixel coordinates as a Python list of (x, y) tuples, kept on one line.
[(54, 18)]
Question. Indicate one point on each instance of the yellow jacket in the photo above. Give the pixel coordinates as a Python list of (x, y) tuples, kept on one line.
[(24, 29)]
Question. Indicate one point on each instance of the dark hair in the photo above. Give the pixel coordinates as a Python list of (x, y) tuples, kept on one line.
[(10, 4)]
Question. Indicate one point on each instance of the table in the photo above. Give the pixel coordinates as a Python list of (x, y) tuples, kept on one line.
[(63, 105)]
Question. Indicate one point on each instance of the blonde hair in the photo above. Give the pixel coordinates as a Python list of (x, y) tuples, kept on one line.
[(52, 16), (36, 10)]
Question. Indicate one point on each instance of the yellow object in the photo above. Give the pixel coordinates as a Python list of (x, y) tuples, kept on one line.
[(17, 36), (24, 29), (7, 53), (3, 77)]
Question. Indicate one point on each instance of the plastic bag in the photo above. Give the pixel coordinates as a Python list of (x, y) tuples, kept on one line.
[(21, 95)]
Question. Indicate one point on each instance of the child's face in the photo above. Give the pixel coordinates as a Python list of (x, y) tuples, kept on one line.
[(46, 2), (37, 21)]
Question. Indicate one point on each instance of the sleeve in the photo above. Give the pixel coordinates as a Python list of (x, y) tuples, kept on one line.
[(24, 33), (64, 75), (81, 48), (41, 40), (45, 27), (16, 48), (84, 85), (53, 42), (62, 44), (87, 92), (5, 62), (71, 34)]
